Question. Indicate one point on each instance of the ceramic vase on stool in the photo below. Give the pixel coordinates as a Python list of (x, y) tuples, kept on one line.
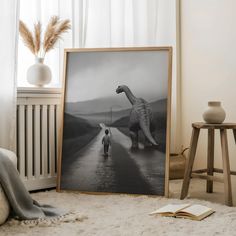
[(214, 114), (39, 74)]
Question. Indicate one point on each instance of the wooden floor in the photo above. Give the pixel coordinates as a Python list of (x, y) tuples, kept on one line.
[(197, 190)]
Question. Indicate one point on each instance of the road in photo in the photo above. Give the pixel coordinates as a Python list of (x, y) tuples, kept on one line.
[(123, 171), (150, 162)]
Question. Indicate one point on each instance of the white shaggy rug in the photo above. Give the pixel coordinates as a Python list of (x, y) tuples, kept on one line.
[(121, 215)]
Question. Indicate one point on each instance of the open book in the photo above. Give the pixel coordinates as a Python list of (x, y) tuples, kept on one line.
[(193, 212)]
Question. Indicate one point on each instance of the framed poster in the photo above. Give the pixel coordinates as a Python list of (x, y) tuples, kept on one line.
[(116, 120)]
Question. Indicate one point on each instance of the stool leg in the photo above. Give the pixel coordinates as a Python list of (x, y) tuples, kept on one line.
[(210, 159), (234, 133), (226, 167), (189, 166)]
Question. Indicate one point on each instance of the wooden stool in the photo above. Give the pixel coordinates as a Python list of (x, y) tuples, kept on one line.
[(210, 159)]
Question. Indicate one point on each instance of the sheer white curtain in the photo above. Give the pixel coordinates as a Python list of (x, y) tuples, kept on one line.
[(129, 22), (8, 49)]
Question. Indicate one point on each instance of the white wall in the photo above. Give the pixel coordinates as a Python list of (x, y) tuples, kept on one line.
[(208, 71), (167, 36)]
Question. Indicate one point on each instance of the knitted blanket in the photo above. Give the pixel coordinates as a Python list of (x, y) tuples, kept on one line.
[(22, 205)]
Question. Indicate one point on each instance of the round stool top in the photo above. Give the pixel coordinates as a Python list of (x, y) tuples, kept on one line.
[(202, 125)]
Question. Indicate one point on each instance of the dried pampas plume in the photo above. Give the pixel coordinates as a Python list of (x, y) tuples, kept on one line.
[(53, 32), (37, 37), (27, 36), (50, 30)]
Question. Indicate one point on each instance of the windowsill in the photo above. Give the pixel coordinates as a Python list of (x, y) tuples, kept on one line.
[(41, 90), (26, 85)]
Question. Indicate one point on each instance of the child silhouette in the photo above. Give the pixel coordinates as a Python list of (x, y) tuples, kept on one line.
[(106, 142)]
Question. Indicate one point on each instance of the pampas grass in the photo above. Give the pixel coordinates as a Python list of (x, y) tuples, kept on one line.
[(27, 37), (49, 32), (52, 34), (37, 37)]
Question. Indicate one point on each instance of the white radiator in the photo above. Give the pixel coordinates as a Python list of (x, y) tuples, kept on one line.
[(37, 136)]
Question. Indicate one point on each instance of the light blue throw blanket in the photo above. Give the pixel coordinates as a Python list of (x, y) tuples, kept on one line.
[(22, 205)]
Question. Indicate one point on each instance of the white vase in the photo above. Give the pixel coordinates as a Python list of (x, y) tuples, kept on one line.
[(214, 114), (39, 74)]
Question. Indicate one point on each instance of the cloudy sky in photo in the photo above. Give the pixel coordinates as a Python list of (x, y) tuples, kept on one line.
[(92, 75)]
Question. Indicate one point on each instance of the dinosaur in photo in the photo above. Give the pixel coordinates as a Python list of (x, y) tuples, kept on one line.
[(140, 118)]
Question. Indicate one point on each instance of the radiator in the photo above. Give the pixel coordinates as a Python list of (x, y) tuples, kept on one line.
[(37, 136)]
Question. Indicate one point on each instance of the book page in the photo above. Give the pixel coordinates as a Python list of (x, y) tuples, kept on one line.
[(170, 208), (197, 210)]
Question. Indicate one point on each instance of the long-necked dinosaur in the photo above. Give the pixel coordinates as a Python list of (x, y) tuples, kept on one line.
[(140, 117)]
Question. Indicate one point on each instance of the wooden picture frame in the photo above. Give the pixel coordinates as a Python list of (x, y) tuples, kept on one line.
[(82, 70)]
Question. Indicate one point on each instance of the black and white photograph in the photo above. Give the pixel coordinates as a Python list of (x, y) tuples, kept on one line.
[(115, 136)]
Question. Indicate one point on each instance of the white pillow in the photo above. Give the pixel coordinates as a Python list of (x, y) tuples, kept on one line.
[(4, 204)]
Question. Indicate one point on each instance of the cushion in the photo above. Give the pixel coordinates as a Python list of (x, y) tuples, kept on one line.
[(4, 204), (4, 207)]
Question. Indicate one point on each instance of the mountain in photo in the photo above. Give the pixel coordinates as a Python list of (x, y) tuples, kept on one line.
[(116, 104), (97, 105), (109, 115)]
